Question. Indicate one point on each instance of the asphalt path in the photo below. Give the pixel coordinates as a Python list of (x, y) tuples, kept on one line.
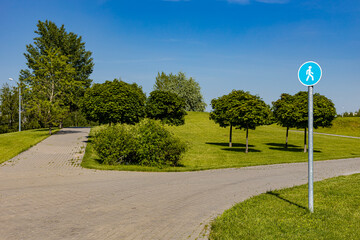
[(45, 194)]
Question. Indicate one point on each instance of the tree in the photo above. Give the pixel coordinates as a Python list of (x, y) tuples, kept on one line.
[(188, 89), (284, 112), (324, 112), (51, 37), (220, 108), (167, 107), (244, 111), (9, 108), (51, 80), (114, 102)]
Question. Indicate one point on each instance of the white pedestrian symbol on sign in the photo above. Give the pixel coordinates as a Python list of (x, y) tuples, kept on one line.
[(309, 73)]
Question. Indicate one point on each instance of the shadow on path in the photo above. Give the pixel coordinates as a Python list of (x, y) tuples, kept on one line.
[(70, 130)]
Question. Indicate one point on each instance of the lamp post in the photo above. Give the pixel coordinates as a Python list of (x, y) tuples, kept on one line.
[(19, 104)]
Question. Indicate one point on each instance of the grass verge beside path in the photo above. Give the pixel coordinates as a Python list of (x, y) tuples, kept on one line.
[(11, 144), (208, 147), (283, 214)]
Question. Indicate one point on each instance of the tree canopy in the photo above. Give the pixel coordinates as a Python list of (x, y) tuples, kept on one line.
[(52, 79), (292, 111), (69, 44), (186, 88), (58, 73), (114, 102), (167, 107), (241, 110)]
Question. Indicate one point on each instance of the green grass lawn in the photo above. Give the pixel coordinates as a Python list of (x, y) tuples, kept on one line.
[(349, 126), (208, 147), (283, 214), (11, 144)]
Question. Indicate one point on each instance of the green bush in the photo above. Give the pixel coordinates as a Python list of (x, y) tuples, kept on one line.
[(115, 145), (147, 143)]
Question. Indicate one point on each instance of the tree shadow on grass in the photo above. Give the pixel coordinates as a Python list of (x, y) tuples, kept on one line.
[(290, 148), (286, 200), (239, 149), (227, 144)]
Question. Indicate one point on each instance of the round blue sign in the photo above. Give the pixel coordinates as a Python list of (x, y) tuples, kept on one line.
[(309, 73)]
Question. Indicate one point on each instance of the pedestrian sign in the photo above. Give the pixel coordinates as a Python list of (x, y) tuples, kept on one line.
[(309, 73)]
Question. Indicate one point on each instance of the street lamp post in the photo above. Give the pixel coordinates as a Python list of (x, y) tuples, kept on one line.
[(19, 104)]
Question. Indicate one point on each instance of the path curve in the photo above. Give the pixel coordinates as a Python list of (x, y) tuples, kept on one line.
[(329, 134), (44, 194)]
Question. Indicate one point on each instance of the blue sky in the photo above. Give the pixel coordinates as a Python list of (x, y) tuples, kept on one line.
[(253, 45)]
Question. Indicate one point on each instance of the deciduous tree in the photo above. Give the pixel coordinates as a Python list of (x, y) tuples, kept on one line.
[(220, 108), (167, 107), (50, 37), (244, 111), (186, 88), (114, 102), (49, 85), (324, 112), (9, 108)]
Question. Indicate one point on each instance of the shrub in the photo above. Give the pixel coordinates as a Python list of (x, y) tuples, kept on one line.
[(147, 143), (115, 144), (157, 146)]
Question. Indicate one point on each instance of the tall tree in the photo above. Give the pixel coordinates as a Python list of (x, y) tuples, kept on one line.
[(167, 107), (284, 112), (51, 81), (114, 102), (244, 111), (68, 44), (186, 88)]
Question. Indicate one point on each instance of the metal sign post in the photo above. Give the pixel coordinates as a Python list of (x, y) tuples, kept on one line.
[(310, 74), (311, 149)]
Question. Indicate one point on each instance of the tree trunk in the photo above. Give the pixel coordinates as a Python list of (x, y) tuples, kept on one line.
[(287, 136), (50, 129), (247, 141), (61, 125), (230, 140), (305, 141)]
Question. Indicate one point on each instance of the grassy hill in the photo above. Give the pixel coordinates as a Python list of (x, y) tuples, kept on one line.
[(349, 126), (208, 147)]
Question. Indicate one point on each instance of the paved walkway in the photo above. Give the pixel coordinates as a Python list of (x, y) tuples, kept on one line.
[(329, 134), (44, 194)]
